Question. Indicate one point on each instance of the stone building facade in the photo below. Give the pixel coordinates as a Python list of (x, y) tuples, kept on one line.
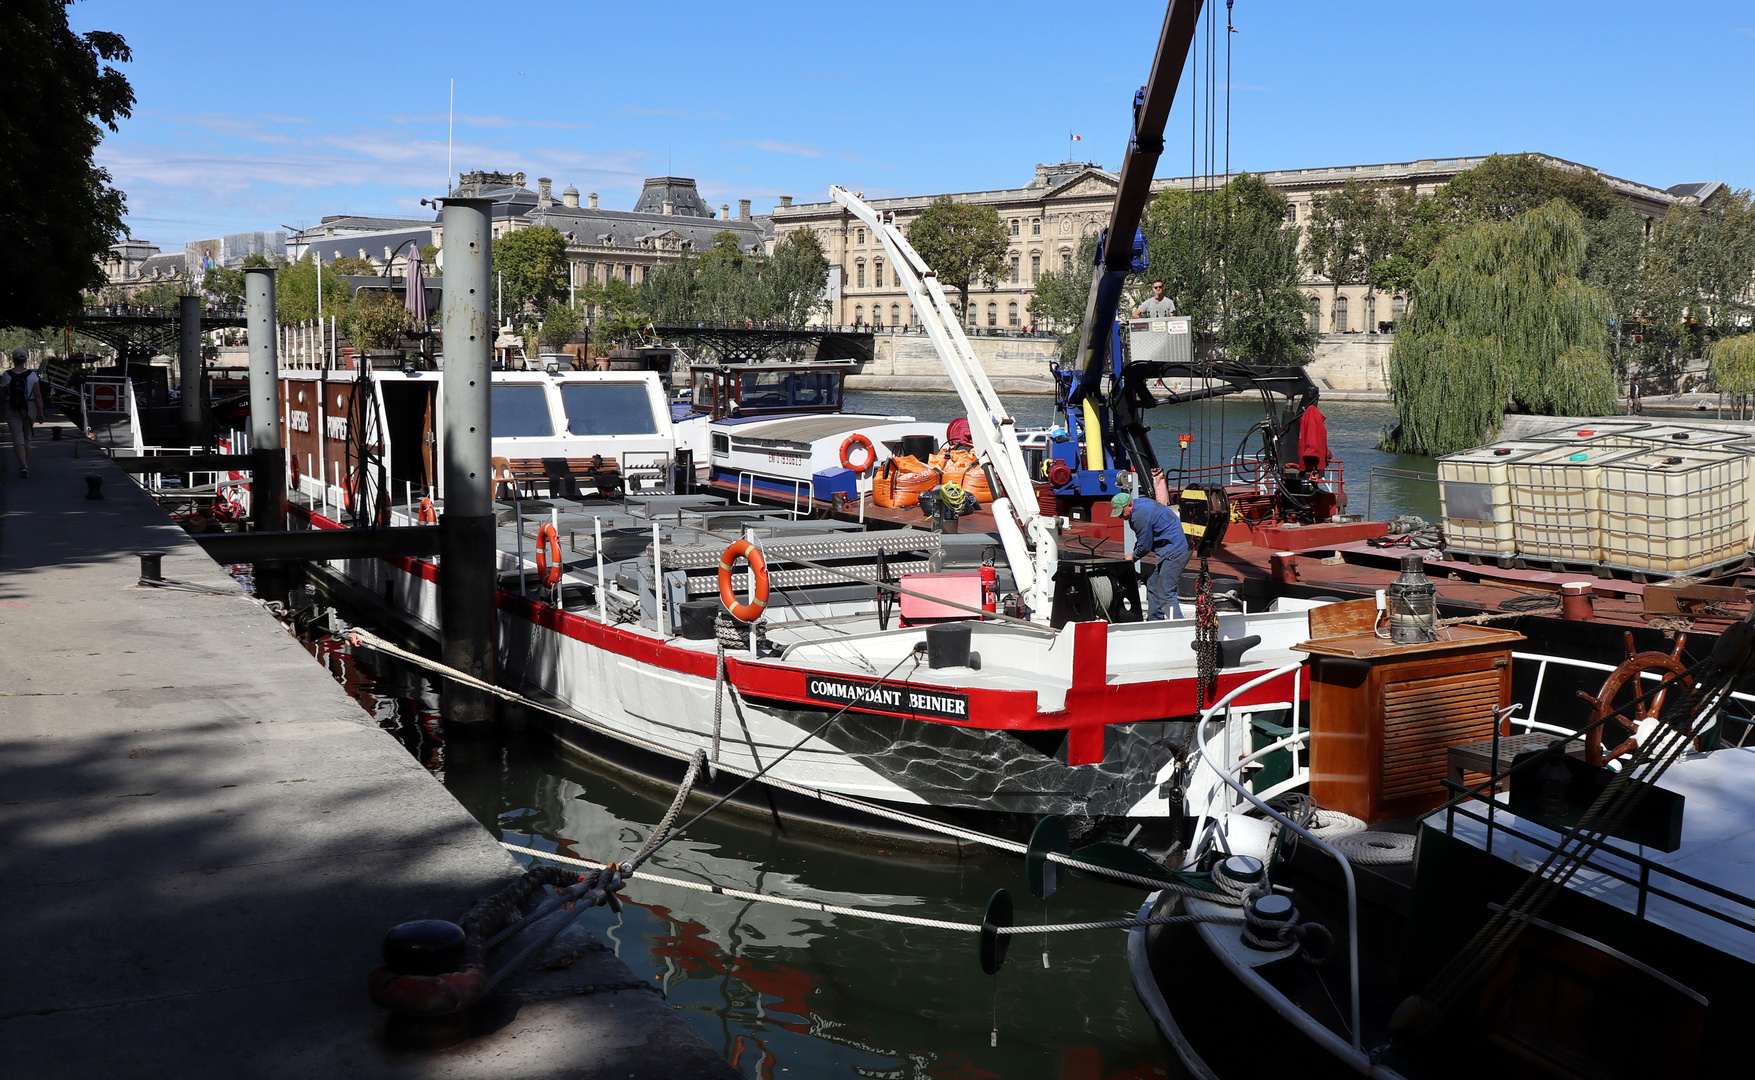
[(1047, 217)]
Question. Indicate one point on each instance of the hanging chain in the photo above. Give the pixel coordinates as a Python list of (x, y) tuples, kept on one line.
[(1206, 640)]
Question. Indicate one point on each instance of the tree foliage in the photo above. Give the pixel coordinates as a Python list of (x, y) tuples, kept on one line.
[(1733, 364), (725, 284), (532, 264), (1058, 302), (559, 323), (964, 243), (376, 319), (1363, 234), (295, 292), (58, 212), (620, 309), (1503, 317)]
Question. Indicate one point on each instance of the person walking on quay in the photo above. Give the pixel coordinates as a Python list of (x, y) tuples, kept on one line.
[(1156, 529), (1158, 306), (1634, 407), (22, 392)]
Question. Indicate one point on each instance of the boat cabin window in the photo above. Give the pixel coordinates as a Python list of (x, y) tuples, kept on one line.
[(608, 409), (521, 411), (789, 389)]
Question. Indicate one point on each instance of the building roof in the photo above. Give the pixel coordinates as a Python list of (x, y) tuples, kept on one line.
[(331, 248), (1699, 192), (641, 231), (679, 191), (340, 224)]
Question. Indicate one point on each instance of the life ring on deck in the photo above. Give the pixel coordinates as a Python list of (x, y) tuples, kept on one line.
[(743, 549), (426, 515), (293, 463), (856, 441), (548, 556)]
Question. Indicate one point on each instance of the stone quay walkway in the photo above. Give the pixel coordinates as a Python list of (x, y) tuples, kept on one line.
[(203, 839)]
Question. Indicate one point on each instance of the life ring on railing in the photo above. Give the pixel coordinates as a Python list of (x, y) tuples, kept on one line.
[(856, 441), (548, 556), (293, 461), (743, 549), (426, 515)]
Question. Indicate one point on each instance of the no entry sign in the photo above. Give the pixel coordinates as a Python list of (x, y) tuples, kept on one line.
[(104, 397)]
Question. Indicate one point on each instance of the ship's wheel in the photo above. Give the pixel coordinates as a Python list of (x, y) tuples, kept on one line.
[(1617, 708)]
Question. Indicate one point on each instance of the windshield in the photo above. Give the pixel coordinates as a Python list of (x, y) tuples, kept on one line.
[(608, 409), (520, 411), (789, 389)]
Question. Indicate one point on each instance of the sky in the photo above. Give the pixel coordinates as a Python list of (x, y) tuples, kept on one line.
[(257, 115)]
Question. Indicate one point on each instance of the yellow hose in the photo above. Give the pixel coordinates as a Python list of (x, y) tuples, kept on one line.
[(1093, 438)]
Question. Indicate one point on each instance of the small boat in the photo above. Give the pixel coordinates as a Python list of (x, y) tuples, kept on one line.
[(1546, 888)]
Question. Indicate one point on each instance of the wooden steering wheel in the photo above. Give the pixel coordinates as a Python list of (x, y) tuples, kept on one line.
[(1631, 673)]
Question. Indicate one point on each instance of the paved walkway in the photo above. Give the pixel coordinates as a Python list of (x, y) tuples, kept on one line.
[(203, 839)]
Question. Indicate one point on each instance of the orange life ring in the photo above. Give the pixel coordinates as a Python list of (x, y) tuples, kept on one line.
[(293, 460), (743, 549), (426, 515), (548, 556), (857, 441)]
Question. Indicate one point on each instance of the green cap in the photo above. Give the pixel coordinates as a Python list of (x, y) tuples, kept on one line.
[(1119, 502)]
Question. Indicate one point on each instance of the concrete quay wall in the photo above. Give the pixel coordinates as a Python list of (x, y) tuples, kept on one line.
[(203, 838)]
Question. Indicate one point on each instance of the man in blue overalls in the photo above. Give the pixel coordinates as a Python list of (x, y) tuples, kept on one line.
[(1158, 530)]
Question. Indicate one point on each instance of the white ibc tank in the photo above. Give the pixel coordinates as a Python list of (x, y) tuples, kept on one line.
[(1557, 499), (1474, 496), (1623, 433), (1674, 510)]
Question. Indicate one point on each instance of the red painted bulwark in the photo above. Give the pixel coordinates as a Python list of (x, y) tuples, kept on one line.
[(1317, 536)]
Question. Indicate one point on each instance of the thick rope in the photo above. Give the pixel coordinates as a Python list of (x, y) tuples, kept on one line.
[(863, 913), (718, 706)]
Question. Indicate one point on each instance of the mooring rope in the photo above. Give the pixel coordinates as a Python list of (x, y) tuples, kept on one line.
[(865, 913)]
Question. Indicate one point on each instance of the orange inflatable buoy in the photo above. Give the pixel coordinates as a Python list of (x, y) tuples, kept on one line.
[(548, 556), (743, 549), (856, 441), (426, 515)]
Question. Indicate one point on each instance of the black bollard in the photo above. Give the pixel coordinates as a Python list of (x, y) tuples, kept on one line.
[(150, 573), (94, 487)]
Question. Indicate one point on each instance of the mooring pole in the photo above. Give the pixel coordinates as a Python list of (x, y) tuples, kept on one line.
[(469, 562), (189, 367), (268, 465)]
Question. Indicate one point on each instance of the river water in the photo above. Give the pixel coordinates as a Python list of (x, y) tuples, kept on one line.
[(788, 992)]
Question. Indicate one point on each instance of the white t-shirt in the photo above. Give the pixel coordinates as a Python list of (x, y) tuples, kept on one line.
[(1157, 309)]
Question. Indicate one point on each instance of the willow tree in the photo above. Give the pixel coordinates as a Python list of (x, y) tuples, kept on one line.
[(1733, 366), (1502, 319)]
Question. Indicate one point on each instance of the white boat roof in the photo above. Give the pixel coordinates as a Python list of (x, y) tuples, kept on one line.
[(1718, 849)]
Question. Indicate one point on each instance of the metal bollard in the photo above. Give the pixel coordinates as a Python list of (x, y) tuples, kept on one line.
[(150, 572), (94, 487), (55, 433)]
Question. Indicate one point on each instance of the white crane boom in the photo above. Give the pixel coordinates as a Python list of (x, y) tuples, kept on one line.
[(1031, 546)]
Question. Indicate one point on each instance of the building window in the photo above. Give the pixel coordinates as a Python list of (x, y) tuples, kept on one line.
[(1397, 308), (1014, 226), (877, 273), (895, 314), (992, 314), (1011, 314), (1035, 269), (1014, 269), (861, 275), (914, 317), (1340, 314), (1066, 262), (1371, 314), (1036, 226), (861, 240), (974, 315), (628, 273), (877, 316), (1292, 213), (858, 314)]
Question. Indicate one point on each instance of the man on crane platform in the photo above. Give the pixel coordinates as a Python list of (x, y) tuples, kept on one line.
[(1158, 530)]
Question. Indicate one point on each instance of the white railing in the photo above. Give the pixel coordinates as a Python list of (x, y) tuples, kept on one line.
[(1530, 723)]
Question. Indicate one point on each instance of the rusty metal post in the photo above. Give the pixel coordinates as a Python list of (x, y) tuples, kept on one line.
[(468, 572)]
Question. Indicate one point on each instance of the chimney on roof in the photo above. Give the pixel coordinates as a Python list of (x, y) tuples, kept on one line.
[(785, 200), (743, 209), (593, 198), (725, 211), (570, 197), (669, 208), (544, 193)]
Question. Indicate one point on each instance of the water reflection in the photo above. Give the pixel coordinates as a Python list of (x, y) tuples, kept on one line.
[(784, 991)]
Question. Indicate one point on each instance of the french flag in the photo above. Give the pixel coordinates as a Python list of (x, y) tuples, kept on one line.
[(1077, 138)]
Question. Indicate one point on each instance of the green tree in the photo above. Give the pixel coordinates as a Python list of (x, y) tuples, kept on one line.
[(1506, 186), (532, 264), (1503, 319), (295, 292), (794, 278), (1733, 364), (376, 319), (58, 211), (559, 323), (620, 311), (671, 291), (1060, 297), (1363, 234), (350, 266), (964, 243)]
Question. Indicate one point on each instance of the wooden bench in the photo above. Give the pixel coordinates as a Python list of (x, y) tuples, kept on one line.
[(561, 477)]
